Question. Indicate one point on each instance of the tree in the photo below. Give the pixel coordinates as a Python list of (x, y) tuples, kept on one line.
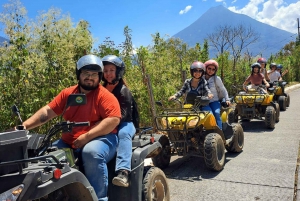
[(234, 40)]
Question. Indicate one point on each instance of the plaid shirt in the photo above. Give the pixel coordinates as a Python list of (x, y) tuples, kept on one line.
[(202, 88)]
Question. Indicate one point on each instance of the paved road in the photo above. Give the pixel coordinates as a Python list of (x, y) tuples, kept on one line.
[(265, 170)]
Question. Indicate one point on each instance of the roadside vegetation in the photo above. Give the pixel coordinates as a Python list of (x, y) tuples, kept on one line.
[(41, 56)]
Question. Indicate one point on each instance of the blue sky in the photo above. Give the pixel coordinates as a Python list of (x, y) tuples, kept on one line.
[(145, 17)]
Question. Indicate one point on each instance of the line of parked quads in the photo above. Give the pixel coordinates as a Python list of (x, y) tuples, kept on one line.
[(31, 169)]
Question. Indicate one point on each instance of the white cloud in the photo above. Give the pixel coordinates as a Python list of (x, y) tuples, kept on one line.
[(273, 12), (185, 10)]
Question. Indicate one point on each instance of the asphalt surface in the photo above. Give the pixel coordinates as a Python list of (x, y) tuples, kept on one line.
[(266, 169)]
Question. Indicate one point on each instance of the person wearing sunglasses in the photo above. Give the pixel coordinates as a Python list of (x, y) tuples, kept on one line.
[(217, 88), (196, 84)]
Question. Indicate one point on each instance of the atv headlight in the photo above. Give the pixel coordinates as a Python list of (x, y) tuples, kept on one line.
[(193, 122), (12, 194), (238, 99), (259, 99)]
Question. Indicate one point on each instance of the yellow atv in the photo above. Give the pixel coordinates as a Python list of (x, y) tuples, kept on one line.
[(255, 104), (192, 131), (282, 98)]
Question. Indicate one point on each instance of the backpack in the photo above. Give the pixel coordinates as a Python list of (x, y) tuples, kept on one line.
[(135, 114)]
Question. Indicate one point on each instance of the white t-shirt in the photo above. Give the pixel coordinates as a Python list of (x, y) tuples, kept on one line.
[(274, 76)]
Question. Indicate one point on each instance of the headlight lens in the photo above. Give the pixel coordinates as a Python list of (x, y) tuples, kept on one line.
[(193, 122), (12, 194)]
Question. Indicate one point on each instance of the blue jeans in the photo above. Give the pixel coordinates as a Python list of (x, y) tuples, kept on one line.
[(215, 109), (95, 155), (124, 151)]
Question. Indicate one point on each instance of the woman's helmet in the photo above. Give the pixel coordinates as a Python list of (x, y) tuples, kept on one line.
[(212, 62), (255, 65), (197, 65), (273, 65), (89, 62), (120, 71), (262, 60), (279, 66)]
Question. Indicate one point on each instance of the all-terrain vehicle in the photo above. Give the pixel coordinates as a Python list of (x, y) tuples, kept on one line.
[(256, 104), (192, 131), (282, 98), (31, 169)]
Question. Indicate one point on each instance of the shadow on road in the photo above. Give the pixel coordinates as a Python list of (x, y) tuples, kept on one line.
[(256, 126), (192, 168)]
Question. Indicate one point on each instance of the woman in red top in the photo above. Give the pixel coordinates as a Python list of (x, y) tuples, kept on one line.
[(256, 78)]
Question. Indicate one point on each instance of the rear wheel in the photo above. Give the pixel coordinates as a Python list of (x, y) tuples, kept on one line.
[(277, 110), (155, 186), (282, 103), (214, 152), (162, 160), (237, 143), (270, 117)]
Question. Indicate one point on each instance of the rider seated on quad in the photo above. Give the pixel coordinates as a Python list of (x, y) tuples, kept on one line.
[(114, 69), (197, 84), (279, 69), (256, 78), (273, 74), (263, 64)]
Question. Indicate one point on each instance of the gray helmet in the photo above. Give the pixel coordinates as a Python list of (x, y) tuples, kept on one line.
[(120, 71), (91, 63), (273, 64), (197, 65), (255, 65)]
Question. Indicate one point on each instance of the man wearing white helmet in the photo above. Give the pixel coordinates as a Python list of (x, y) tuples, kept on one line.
[(96, 143)]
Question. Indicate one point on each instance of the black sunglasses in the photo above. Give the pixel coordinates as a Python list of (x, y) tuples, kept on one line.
[(199, 71)]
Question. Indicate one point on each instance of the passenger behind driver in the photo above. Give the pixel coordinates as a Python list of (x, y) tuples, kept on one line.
[(256, 78), (273, 74)]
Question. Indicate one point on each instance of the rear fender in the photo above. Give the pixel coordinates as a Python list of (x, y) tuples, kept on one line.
[(209, 122), (74, 182)]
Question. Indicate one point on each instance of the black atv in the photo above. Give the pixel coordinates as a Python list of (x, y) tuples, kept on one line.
[(31, 169)]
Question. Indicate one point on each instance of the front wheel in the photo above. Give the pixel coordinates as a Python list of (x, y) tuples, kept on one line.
[(214, 152), (155, 186), (277, 110), (288, 100), (282, 103), (270, 117)]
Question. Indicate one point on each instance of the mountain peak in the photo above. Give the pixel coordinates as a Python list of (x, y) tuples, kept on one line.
[(271, 39)]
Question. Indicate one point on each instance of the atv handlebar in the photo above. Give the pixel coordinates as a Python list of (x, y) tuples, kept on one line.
[(65, 126), (78, 124)]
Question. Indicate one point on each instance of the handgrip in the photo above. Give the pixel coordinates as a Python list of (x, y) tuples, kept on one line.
[(77, 124)]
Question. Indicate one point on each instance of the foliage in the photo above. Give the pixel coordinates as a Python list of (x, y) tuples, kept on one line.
[(41, 56), (39, 60)]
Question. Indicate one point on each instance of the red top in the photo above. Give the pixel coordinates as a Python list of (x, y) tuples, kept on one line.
[(100, 105), (255, 79)]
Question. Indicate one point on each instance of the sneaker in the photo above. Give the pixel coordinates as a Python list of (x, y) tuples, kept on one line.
[(121, 179)]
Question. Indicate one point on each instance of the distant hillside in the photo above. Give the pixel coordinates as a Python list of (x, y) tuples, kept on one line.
[(271, 39), (2, 40)]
